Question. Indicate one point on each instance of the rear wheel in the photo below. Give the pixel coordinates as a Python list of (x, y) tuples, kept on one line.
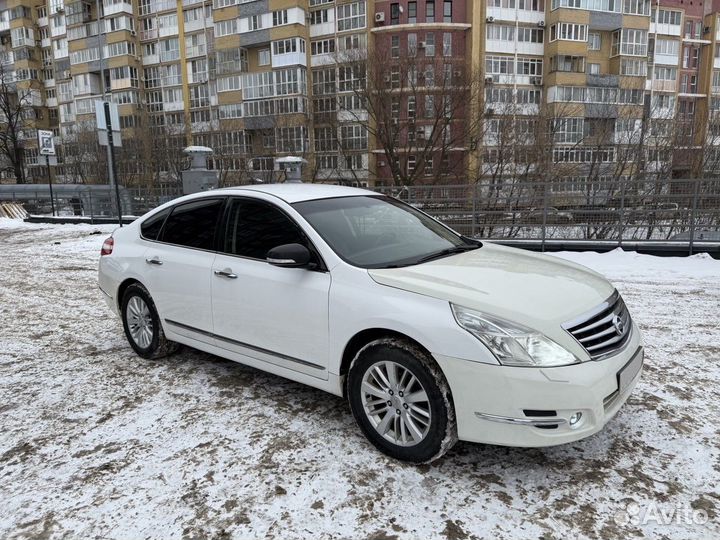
[(401, 401), (142, 324)]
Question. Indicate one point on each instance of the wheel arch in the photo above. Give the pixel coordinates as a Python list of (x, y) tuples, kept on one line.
[(122, 288), (363, 337)]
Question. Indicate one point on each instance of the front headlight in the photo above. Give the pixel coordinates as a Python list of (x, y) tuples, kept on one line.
[(511, 343)]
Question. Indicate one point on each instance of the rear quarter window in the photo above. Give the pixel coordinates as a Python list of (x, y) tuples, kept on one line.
[(150, 228), (193, 224)]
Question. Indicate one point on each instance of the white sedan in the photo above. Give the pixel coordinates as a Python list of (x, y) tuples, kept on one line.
[(432, 337)]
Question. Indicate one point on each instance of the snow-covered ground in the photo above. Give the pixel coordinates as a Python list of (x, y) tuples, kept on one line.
[(95, 442)]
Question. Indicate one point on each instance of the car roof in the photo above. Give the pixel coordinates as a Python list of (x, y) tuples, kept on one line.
[(292, 193)]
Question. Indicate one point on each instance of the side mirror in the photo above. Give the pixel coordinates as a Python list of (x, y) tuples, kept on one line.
[(289, 256)]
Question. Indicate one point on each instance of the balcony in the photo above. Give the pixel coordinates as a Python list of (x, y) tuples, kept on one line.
[(174, 106), (198, 24), (523, 47), (322, 59), (666, 59), (113, 9), (149, 34), (322, 29), (122, 84), (352, 116), (169, 56), (665, 29), (195, 50), (149, 59), (517, 79), (523, 15), (197, 78), (666, 113), (661, 86), (289, 59), (168, 31)]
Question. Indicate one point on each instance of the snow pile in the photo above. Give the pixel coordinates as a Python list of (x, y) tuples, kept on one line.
[(96, 442)]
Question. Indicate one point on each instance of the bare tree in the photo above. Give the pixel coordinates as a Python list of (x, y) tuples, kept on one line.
[(16, 115), (415, 107)]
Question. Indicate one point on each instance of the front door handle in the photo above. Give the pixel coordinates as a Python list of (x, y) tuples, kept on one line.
[(154, 260), (227, 272)]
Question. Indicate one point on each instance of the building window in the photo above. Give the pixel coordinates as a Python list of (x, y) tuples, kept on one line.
[(320, 16), (264, 57), (351, 16), (280, 17), (667, 46), (594, 69), (412, 44), (429, 11), (324, 46), (411, 163), (666, 17), (430, 44), (395, 13), (354, 137), (632, 67), (447, 11), (411, 107), (447, 44), (568, 32), (636, 7), (395, 47), (412, 12), (594, 41)]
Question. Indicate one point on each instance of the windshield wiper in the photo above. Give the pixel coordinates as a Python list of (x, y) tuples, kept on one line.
[(445, 252)]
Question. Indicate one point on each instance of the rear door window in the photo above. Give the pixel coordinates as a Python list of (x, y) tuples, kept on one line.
[(193, 224)]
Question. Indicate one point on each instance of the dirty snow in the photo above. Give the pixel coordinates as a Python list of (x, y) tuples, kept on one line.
[(95, 442)]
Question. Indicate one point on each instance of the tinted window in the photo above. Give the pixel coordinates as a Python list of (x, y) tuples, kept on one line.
[(150, 228), (255, 227), (193, 224)]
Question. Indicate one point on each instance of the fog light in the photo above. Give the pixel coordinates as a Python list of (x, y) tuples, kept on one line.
[(575, 418)]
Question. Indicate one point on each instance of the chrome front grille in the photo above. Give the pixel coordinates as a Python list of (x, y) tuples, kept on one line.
[(604, 330)]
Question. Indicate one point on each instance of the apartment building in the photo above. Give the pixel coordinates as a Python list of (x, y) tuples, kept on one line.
[(261, 79)]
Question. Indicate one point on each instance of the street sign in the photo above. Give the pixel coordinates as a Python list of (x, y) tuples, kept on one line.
[(46, 142), (100, 115), (103, 138), (102, 123)]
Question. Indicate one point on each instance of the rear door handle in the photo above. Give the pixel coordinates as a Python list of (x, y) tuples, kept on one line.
[(227, 272), (154, 260)]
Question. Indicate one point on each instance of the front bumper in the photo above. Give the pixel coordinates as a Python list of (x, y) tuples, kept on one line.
[(511, 406)]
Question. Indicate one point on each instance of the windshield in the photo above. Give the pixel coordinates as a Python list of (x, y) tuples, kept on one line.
[(380, 232)]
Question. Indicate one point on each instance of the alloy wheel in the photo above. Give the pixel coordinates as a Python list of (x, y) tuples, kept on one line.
[(139, 322), (396, 403)]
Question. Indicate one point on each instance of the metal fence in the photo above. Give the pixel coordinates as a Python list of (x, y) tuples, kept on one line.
[(624, 210), (684, 210)]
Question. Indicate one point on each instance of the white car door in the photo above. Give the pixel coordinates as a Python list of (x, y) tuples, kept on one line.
[(179, 268), (277, 315)]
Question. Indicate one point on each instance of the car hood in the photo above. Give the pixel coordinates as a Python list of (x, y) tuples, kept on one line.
[(539, 291)]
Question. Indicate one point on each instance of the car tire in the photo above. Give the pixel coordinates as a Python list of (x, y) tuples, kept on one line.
[(401, 401), (142, 324)]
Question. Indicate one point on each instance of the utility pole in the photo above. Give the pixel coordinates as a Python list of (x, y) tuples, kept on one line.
[(52, 199)]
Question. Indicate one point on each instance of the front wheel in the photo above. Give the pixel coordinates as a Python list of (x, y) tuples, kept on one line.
[(142, 324), (401, 401)]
